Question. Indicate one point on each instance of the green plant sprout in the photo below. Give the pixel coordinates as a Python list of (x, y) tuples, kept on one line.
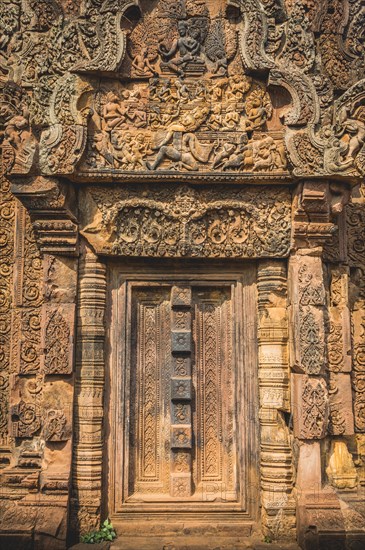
[(105, 533)]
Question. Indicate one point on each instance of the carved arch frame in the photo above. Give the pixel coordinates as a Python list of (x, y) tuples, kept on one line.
[(270, 352)]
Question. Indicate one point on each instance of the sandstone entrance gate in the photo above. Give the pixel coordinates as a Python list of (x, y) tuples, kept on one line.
[(183, 437), (182, 269)]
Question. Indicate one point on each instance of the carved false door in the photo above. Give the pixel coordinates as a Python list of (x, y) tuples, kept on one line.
[(181, 442)]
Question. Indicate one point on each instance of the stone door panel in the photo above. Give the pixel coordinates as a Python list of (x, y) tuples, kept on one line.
[(181, 402), (179, 399)]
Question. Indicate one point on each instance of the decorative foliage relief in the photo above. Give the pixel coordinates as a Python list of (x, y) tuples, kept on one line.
[(7, 211), (179, 221)]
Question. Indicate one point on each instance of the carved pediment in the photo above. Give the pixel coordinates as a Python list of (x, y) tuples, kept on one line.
[(186, 104), (229, 90)]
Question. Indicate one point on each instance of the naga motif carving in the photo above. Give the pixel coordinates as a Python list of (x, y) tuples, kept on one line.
[(182, 222)]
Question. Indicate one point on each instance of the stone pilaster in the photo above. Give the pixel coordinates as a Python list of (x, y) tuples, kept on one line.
[(277, 473), (320, 359), (89, 444)]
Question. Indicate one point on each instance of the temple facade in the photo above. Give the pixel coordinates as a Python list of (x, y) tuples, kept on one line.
[(182, 290)]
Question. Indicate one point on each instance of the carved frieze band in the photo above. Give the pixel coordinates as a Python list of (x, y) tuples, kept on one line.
[(179, 221)]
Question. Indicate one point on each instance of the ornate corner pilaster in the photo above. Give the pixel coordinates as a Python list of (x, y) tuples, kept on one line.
[(320, 321), (40, 365), (320, 351), (7, 245)]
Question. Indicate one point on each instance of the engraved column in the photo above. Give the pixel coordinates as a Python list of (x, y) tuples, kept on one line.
[(278, 504), (89, 444)]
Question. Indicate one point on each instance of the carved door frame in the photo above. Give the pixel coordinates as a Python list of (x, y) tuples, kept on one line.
[(242, 278)]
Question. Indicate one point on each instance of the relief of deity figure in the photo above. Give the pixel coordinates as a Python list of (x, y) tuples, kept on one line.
[(184, 50), (168, 94), (352, 130), (223, 153), (238, 87), (119, 114), (189, 122), (101, 154), (258, 109), (17, 130), (217, 91), (232, 118), (183, 91), (19, 137), (142, 66), (130, 150), (268, 154), (334, 156), (215, 119), (187, 157), (114, 113), (241, 157)]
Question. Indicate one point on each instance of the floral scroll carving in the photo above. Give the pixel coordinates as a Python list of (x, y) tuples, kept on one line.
[(358, 375), (311, 342), (182, 222), (58, 343), (312, 407), (355, 224), (7, 223)]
